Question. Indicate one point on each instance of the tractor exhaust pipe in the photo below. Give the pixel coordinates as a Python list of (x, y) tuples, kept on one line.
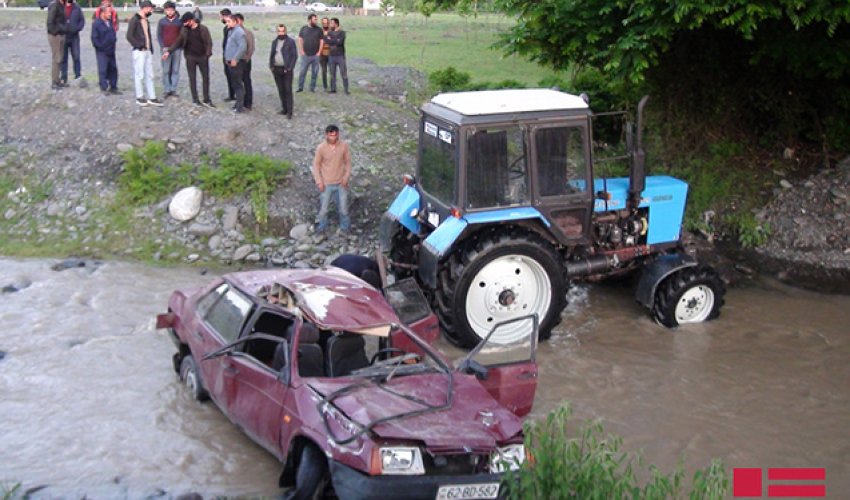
[(637, 175)]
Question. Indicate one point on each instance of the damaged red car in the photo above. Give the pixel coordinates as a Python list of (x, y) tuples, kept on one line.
[(341, 384)]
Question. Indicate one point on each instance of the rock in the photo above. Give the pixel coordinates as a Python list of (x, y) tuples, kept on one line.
[(79, 210), (242, 252), (300, 231), (785, 184), (192, 257), (229, 219), (179, 140), (69, 264), (2, 355), (189, 496), (186, 204), (838, 194), (253, 257), (269, 242), (9, 214), (215, 242), (304, 247), (199, 229), (302, 265), (146, 136), (124, 147), (54, 209)]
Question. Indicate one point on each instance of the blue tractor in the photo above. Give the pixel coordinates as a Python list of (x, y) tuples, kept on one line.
[(504, 212)]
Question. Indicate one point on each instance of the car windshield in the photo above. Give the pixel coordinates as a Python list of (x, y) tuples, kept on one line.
[(437, 160)]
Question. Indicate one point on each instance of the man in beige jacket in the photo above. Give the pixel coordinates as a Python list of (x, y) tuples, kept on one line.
[(332, 173)]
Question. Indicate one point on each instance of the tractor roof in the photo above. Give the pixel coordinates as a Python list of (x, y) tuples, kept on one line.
[(487, 105)]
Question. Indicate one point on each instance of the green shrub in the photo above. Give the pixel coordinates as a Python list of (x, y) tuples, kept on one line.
[(751, 233), (449, 79), (593, 466), (239, 173), (146, 177)]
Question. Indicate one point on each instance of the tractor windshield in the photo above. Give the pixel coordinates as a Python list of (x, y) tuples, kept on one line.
[(437, 161), (496, 168)]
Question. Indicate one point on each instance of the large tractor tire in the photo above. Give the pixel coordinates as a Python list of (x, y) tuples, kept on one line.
[(500, 275), (692, 295)]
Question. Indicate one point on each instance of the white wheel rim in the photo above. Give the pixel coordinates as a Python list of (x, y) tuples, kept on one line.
[(508, 287), (695, 305), (191, 380)]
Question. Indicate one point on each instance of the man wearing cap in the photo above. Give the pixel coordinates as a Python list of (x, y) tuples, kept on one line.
[(224, 15), (196, 42), (234, 52), (56, 39), (167, 31), (282, 63), (139, 37)]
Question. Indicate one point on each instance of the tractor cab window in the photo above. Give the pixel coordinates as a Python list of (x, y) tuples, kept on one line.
[(496, 168), (437, 161), (561, 160)]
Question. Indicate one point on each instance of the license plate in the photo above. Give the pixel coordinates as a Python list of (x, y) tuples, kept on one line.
[(460, 491)]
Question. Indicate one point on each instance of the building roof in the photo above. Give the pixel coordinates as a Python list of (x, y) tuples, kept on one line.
[(491, 102)]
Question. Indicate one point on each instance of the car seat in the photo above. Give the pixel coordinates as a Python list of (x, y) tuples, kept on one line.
[(346, 353), (310, 356)]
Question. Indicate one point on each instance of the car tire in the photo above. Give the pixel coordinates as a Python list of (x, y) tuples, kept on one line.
[(692, 295), (310, 476), (469, 279), (191, 377)]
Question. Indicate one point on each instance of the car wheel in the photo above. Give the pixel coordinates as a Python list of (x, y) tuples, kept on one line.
[(311, 475), (191, 376), (501, 276), (692, 295)]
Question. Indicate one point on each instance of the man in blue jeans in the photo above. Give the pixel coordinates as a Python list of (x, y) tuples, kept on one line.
[(74, 24), (332, 173), (310, 46)]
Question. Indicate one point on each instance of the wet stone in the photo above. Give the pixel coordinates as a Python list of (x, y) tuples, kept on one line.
[(230, 218), (124, 147), (242, 252), (2, 355), (199, 229), (300, 231), (785, 184)]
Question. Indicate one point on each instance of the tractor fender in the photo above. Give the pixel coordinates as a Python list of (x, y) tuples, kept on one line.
[(657, 271), (440, 242), (402, 207)]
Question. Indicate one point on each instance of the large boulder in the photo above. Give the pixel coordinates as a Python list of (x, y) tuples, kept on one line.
[(186, 204)]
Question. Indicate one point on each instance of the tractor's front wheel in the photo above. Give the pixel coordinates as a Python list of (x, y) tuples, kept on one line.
[(692, 295), (503, 275)]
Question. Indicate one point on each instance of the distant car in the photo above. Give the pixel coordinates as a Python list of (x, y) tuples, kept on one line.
[(42, 4), (265, 3), (186, 3), (319, 368), (319, 7)]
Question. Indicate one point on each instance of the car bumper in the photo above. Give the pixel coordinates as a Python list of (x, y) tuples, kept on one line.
[(351, 484)]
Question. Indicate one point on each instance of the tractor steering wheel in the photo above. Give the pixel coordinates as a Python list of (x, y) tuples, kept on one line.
[(384, 351)]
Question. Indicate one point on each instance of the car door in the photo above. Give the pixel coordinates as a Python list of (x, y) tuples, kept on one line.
[(255, 387), (222, 317), (511, 369)]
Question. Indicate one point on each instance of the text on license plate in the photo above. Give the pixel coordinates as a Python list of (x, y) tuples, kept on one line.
[(458, 491)]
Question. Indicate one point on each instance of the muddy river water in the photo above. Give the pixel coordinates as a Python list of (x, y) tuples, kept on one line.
[(89, 404)]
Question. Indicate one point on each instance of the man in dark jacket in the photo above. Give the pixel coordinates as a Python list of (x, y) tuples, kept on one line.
[(196, 42), (282, 63), (167, 31), (104, 38), (75, 22), (336, 39), (56, 39), (139, 37)]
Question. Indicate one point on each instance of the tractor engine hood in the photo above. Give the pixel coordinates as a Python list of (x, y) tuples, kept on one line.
[(474, 421)]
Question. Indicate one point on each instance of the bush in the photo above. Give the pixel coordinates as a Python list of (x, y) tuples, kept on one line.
[(146, 177), (593, 466), (449, 79)]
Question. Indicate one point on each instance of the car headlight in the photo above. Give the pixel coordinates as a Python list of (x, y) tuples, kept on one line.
[(401, 460), (507, 458)]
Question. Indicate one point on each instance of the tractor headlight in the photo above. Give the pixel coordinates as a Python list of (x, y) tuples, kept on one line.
[(401, 460), (507, 458)]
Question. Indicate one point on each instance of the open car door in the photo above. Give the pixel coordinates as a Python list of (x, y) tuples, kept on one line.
[(507, 371)]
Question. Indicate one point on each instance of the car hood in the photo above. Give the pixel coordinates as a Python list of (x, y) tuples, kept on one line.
[(474, 421)]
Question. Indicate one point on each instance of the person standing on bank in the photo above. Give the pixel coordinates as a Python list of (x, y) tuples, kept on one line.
[(249, 53), (336, 40), (74, 24), (332, 172), (104, 38), (56, 39), (323, 57), (234, 52), (196, 42), (309, 48), (139, 37), (224, 15), (167, 31), (282, 60), (107, 4)]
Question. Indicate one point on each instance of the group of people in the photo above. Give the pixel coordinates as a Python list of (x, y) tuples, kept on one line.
[(320, 47), (317, 46)]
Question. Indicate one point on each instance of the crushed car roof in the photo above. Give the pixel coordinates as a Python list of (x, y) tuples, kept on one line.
[(332, 298)]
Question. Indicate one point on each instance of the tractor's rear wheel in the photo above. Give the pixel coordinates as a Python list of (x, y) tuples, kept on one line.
[(692, 295), (500, 276)]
